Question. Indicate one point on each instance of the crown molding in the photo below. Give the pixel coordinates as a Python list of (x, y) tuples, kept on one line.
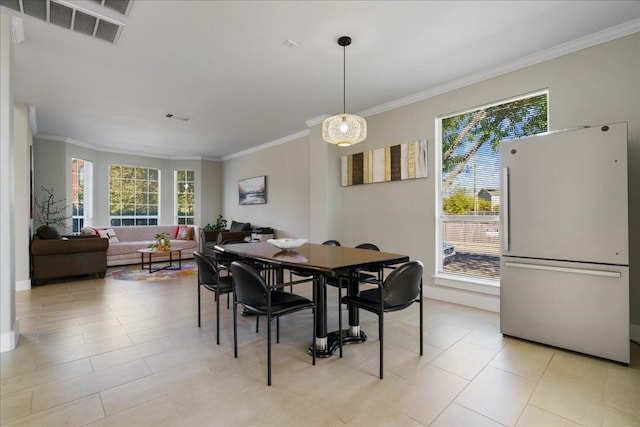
[(273, 143), (115, 151), (590, 40)]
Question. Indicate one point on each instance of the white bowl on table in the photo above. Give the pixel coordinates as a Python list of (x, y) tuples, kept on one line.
[(287, 243)]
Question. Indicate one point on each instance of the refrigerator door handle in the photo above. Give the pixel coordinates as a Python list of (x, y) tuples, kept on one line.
[(505, 210), (615, 274)]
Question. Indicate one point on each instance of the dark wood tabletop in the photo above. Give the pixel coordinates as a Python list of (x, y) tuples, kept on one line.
[(323, 259)]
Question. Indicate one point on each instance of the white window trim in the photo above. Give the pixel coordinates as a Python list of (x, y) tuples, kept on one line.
[(467, 283)]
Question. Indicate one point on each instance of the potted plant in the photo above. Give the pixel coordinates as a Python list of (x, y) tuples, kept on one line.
[(220, 224), (162, 243)]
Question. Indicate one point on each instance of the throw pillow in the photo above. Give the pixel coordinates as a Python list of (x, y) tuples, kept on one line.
[(110, 234), (239, 226), (184, 233), (47, 232), (88, 231)]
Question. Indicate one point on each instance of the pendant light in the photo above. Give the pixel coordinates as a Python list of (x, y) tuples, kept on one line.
[(344, 129)]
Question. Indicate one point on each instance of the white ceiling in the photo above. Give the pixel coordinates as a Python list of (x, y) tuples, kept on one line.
[(226, 64)]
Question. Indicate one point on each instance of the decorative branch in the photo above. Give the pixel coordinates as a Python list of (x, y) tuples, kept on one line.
[(50, 210)]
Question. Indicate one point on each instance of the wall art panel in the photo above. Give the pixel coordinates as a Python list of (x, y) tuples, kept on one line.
[(393, 163)]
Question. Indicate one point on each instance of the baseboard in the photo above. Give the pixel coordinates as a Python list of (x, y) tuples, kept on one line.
[(23, 285), (634, 332), (456, 296), (9, 340)]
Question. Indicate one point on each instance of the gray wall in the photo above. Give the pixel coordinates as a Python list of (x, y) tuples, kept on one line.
[(286, 167), (51, 157)]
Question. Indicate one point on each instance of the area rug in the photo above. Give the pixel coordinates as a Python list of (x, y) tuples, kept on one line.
[(133, 272)]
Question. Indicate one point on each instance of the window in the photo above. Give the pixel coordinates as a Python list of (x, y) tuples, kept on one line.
[(184, 196), (134, 195), (81, 194), (468, 196)]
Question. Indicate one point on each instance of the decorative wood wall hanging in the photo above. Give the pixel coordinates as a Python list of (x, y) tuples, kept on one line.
[(394, 163)]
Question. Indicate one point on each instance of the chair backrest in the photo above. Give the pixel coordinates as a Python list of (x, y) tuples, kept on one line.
[(249, 287), (331, 243), (368, 246), (402, 285), (207, 271)]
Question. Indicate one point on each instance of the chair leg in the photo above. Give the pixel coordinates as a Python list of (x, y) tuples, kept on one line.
[(217, 319), (227, 301), (257, 323), (198, 305), (313, 331), (269, 351), (421, 320), (340, 314), (235, 329), (381, 333), (277, 330)]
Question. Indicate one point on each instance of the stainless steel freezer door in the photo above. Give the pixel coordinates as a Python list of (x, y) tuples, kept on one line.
[(576, 306), (564, 196)]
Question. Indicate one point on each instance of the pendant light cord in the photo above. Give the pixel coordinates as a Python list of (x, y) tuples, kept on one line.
[(344, 79)]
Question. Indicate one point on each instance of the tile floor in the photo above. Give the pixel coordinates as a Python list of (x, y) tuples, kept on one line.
[(106, 352)]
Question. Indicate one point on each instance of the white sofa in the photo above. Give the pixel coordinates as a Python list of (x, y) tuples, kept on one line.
[(123, 248)]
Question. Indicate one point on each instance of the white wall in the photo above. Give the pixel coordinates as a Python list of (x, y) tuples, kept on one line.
[(8, 324), (22, 142)]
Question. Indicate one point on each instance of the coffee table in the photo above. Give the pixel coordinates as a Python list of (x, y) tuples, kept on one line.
[(152, 251)]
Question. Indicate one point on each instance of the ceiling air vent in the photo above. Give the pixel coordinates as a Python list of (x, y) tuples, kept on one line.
[(101, 19), (179, 117)]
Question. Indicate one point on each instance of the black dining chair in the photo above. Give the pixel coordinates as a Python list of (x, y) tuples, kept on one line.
[(251, 290), (210, 279), (401, 288), (304, 276)]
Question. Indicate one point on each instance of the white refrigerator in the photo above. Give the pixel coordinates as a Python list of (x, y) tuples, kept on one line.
[(565, 252)]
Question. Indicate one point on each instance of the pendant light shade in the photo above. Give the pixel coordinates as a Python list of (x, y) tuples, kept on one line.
[(344, 129)]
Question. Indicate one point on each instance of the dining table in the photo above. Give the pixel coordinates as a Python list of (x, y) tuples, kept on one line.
[(321, 262)]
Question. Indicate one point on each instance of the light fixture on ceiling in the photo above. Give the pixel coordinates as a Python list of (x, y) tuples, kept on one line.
[(344, 129)]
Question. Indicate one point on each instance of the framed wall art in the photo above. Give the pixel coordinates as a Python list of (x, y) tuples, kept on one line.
[(253, 191)]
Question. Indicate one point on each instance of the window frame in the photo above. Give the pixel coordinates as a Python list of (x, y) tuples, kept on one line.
[(86, 183), (135, 218), (188, 219), (461, 281)]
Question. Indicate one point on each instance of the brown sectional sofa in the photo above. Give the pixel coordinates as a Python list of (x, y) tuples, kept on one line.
[(58, 257)]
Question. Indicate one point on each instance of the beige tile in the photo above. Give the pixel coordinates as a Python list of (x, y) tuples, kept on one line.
[(56, 373), (498, 395), (464, 359), (61, 392), (380, 413), (623, 390), (427, 393), (154, 366), (443, 335), (614, 418), (459, 416), (573, 387), (487, 335), (147, 387), (523, 358), (535, 417), (15, 406), (76, 413), (157, 412)]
